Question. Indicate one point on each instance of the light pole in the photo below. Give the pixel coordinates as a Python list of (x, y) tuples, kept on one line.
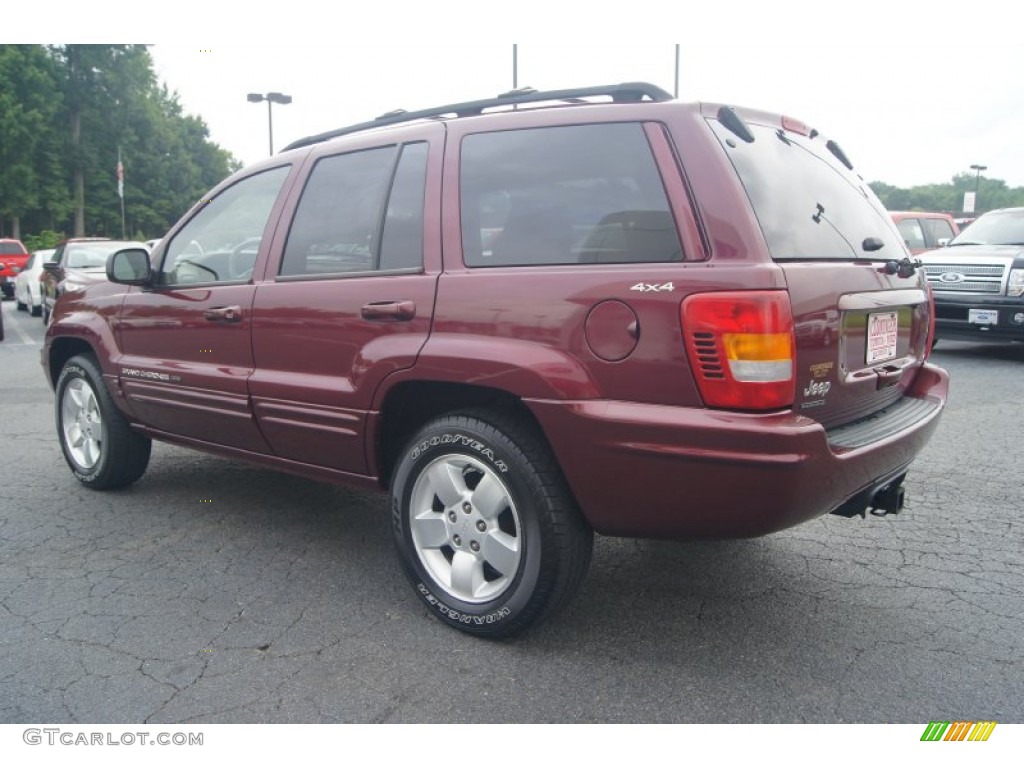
[(271, 99), (977, 178)]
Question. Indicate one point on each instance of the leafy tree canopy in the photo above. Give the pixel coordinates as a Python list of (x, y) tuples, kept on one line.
[(949, 198), (66, 112)]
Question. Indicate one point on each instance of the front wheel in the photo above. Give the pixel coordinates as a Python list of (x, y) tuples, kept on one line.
[(486, 528), (98, 444)]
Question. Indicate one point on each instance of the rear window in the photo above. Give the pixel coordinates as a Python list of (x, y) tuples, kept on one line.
[(939, 229), (575, 194), (912, 233), (808, 204), (12, 249)]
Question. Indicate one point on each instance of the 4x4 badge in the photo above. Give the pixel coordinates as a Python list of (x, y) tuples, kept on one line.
[(652, 287)]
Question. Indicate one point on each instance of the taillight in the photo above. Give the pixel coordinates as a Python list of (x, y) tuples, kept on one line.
[(742, 349)]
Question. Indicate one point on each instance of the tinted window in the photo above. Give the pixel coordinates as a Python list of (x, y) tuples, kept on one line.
[(337, 224), (808, 205), (11, 249), (220, 243), (564, 195), (402, 246)]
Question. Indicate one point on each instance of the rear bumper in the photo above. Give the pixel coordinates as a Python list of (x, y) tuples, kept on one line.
[(667, 472)]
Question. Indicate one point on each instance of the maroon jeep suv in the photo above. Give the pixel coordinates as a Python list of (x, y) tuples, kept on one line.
[(528, 318)]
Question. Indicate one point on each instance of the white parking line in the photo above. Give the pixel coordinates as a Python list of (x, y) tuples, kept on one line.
[(11, 323)]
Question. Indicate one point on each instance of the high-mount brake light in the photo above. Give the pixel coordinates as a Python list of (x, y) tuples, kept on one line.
[(790, 124), (742, 348)]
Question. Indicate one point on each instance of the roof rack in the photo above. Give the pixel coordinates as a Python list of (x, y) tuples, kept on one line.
[(622, 92)]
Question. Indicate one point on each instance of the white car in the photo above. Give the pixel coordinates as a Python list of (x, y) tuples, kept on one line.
[(27, 291)]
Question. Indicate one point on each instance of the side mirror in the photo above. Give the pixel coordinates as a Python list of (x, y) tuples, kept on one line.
[(51, 266), (129, 267)]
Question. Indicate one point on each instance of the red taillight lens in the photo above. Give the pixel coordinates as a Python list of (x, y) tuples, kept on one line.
[(742, 349)]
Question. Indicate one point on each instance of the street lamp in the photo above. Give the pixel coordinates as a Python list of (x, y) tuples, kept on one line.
[(271, 99), (977, 177)]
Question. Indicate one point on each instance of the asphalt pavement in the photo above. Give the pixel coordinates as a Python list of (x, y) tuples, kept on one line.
[(214, 591)]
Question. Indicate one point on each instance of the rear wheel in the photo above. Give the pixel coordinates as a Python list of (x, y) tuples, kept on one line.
[(100, 448), (486, 528)]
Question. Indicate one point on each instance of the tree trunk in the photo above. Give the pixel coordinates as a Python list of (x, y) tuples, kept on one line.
[(16, 227), (78, 183)]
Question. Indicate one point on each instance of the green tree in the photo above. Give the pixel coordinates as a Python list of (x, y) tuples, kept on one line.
[(113, 105), (31, 152), (949, 198)]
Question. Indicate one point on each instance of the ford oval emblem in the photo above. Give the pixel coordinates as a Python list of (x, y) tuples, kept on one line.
[(952, 277)]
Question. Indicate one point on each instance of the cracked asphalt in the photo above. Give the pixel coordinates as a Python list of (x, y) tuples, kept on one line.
[(212, 591)]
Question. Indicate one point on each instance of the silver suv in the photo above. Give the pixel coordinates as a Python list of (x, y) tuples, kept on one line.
[(978, 280)]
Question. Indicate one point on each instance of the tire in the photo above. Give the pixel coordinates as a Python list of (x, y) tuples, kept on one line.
[(36, 311), (102, 451), (20, 306), (486, 528), (46, 314)]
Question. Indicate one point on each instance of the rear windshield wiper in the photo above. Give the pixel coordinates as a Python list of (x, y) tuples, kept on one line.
[(819, 216)]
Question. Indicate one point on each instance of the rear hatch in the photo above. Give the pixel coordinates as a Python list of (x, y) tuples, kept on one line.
[(861, 313)]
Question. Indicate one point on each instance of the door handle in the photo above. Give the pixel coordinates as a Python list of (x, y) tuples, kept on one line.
[(232, 314), (389, 310)]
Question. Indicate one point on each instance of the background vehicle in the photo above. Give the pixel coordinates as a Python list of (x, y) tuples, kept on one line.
[(922, 231), (73, 264), (508, 320), (978, 281), (12, 260), (27, 288)]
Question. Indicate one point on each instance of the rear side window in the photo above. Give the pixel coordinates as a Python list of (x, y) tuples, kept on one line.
[(808, 204), (564, 195), (342, 224)]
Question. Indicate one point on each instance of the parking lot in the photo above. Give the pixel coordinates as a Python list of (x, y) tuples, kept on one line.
[(213, 591)]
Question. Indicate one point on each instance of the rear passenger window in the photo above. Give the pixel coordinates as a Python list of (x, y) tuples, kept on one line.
[(564, 195), (360, 212)]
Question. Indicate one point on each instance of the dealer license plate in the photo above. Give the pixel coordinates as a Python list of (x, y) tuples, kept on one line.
[(983, 316), (883, 332)]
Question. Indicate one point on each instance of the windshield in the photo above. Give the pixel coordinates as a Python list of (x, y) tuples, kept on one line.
[(93, 255), (11, 249), (808, 205), (995, 228)]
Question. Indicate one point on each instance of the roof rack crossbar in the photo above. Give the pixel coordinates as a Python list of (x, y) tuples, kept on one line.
[(621, 92)]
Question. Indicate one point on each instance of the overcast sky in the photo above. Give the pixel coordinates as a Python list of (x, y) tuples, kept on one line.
[(914, 91)]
